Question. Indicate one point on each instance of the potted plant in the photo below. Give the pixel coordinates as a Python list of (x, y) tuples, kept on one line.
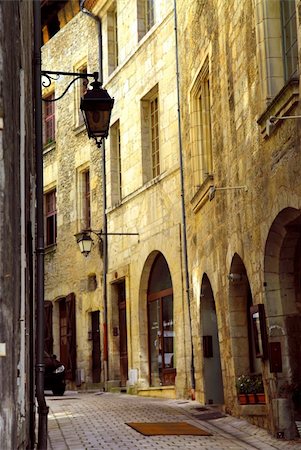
[(250, 389)]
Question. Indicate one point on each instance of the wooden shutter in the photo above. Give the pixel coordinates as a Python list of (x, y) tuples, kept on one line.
[(48, 340), (71, 337)]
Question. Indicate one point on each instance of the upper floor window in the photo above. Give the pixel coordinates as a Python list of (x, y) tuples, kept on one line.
[(277, 44), (154, 128), (80, 91), (112, 33), (150, 135), (289, 38), (84, 199), (50, 217), (201, 127), (116, 172), (276, 29), (146, 16), (48, 119)]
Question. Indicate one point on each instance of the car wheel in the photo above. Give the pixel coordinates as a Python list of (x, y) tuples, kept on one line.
[(59, 390)]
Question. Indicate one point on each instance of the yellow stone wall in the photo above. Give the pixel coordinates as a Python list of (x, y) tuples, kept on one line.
[(237, 221), (66, 269), (237, 217), (152, 209)]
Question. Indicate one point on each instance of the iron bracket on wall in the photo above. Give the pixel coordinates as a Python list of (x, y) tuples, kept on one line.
[(52, 75)]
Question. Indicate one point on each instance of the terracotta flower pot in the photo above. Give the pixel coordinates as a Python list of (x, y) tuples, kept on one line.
[(251, 399)]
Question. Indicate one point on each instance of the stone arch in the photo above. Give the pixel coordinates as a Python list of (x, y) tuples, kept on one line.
[(212, 372), (150, 272), (240, 301), (282, 279), (143, 330)]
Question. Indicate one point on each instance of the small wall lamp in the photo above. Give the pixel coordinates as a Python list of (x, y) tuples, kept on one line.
[(272, 121), (212, 190), (85, 242), (234, 277)]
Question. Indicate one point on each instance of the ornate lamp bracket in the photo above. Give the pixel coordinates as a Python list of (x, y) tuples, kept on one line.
[(52, 75)]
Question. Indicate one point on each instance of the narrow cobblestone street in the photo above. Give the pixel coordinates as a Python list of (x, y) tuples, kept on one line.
[(86, 421)]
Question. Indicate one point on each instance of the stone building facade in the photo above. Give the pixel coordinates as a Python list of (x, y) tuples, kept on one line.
[(143, 209), (208, 249), (243, 199), (17, 227), (147, 308), (73, 200)]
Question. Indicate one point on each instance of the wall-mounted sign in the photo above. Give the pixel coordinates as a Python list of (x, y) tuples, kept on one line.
[(259, 331)]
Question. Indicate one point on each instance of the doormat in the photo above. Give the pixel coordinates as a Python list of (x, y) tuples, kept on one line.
[(167, 428)]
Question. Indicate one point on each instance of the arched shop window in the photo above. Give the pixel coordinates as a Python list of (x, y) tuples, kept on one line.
[(160, 324)]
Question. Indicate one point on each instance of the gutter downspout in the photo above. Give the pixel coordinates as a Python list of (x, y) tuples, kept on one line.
[(185, 252), (40, 365), (104, 200), (98, 20)]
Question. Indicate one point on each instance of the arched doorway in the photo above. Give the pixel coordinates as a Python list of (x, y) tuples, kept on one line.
[(282, 271), (213, 381), (241, 328), (160, 324)]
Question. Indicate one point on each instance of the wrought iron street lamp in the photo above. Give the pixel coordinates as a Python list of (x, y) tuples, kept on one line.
[(85, 241), (96, 106)]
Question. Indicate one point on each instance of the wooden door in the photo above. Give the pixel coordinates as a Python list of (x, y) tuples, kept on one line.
[(68, 335), (96, 362), (122, 334), (63, 333)]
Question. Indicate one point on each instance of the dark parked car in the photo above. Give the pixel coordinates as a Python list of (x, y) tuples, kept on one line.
[(54, 375)]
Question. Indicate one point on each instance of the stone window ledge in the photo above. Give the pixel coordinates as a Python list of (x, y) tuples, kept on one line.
[(201, 197), (280, 106), (48, 147), (253, 410), (50, 249), (79, 129)]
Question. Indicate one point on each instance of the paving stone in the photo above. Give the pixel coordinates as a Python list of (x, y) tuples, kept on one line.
[(92, 422)]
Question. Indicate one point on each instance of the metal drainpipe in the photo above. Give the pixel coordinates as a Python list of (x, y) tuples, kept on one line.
[(40, 365), (104, 199), (98, 20), (185, 252), (105, 264)]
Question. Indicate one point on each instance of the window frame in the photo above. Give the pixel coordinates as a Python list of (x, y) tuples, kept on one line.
[(150, 135), (116, 180), (150, 14), (154, 135), (49, 216), (80, 90), (201, 127), (86, 198), (280, 94), (49, 119), (112, 37), (84, 207), (289, 23)]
